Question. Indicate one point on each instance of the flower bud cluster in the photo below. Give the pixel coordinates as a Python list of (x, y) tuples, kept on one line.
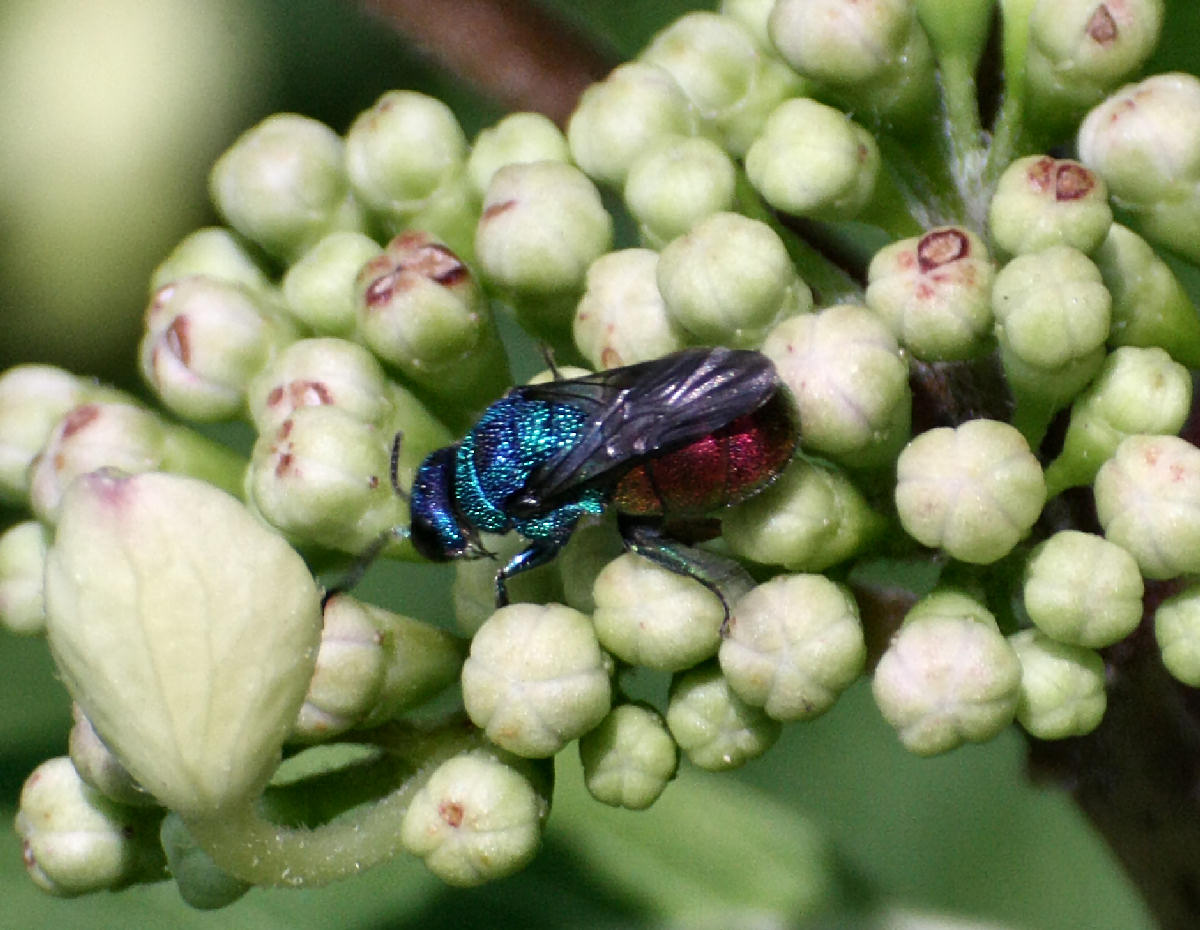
[(194, 638)]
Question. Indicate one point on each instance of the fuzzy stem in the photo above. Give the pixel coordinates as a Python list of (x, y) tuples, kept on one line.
[(242, 842)]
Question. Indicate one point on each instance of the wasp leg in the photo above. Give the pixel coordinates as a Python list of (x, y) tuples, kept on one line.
[(724, 577), (539, 553)]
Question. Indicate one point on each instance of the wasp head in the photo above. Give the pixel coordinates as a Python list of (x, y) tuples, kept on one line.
[(438, 531)]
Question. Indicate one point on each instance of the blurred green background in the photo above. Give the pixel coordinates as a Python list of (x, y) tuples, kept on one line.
[(111, 115)]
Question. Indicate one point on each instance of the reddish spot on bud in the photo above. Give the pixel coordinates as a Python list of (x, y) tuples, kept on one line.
[(373, 482), (108, 485), (283, 465), (1040, 174), (176, 340), (497, 208), (438, 264), (1102, 28), (1073, 181), (410, 257), (27, 855), (941, 247), (78, 418), (610, 358), (308, 393), (452, 813), (275, 396), (160, 299), (381, 290), (285, 429)]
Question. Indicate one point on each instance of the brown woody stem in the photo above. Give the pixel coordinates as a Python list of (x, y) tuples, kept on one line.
[(512, 51)]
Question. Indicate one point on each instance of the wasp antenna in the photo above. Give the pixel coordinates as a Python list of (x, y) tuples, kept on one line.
[(394, 467), (356, 571), (548, 355)]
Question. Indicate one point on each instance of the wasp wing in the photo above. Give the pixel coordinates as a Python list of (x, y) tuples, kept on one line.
[(639, 411)]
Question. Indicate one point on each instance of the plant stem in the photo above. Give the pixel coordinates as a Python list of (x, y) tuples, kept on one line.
[(1136, 776), (512, 51), (242, 842)]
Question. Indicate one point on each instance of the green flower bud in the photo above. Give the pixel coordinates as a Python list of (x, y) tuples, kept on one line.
[(677, 182), (536, 678), (517, 139), (401, 151), (1137, 391), (1144, 140), (1149, 305), (318, 289), (1148, 501), (1177, 630), (874, 54), (1062, 686), (729, 280), (794, 644), (935, 293), (622, 318), (348, 674), (751, 15), (323, 477), (811, 517), (201, 884), (99, 768), (714, 727), (204, 341), (812, 160), (420, 309), (185, 630), (973, 491), (727, 76), (33, 399), (591, 547), (214, 252), (1051, 307), (283, 186), (1042, 202), (23, 548), (451, 214), (858, 414), (1083, 590), (374, 665), (76, 841), (629, 758), (947, 676), (650, 616), (1079, 50), (476, 819), (543, 224), (128, 438), (617, 119), (89, 437), (315, 372)]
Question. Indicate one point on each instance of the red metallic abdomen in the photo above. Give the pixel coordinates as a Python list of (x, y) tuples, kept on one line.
[(723, 468)]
